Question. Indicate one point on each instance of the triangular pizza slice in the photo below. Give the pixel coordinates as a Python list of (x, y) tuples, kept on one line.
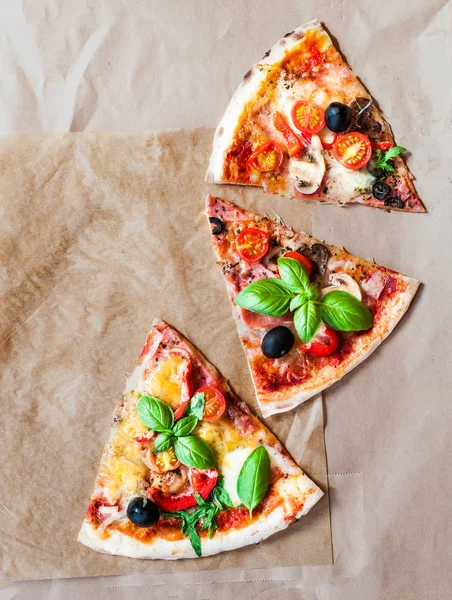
[(188, 470), (306, 312), (302, 125)]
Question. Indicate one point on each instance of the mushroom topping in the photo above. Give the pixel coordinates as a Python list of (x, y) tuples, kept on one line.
[(308, 170), (318, 254), (343, 283)]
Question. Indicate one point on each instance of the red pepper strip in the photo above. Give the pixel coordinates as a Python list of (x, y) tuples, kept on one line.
[(293, 144), (382, 145), (202, 482)]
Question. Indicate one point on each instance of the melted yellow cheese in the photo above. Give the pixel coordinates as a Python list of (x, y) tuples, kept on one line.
[(164, 381)]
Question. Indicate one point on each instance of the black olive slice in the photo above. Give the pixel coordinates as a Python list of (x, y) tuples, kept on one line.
[(143, 512), (277, 342), (217, 225), (380, 190), (394, 201), (373, 169)]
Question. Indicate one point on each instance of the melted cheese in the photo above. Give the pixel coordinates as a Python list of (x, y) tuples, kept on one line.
[(220, 435), (164, 381), (230, 469), (344, 183)]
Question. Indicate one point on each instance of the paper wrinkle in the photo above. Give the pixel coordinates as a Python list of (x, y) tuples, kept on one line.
[(75, 76)]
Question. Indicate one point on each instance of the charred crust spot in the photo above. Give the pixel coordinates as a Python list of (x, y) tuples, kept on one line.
[(267, 54), (297, 35), (288, 34), (282, 42), (247, 75), (221, 131)]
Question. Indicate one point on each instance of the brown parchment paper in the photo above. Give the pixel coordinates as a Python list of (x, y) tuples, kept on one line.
[(115, 65), (101, 233)]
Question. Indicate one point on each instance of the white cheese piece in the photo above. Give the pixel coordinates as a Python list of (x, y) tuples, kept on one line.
[(345, 184), (375, 285), (230, 469)]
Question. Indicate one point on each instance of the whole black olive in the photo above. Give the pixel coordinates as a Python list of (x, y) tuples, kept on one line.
[(394, 201), (380, 190), (277, 342), (338, 116), (143, 512), (217, 225), (373, 169)]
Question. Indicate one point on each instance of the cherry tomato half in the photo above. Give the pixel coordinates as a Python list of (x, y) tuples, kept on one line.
[(215, 403), (353, 150), (308, 117), (164, 461), (266, 158), (252, 244), (293, 144), (324, 343), (304, 260)]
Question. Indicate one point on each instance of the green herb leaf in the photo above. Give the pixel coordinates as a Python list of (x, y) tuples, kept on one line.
[(195, 541), (384, 157), (307, 321), (298, 301), (254, 478), (194, 452), (268, 297), (162, 442), (220, 497), (154, 413), (313, 292), (196, 406), (293, 274), (344, 312), (185, 425)]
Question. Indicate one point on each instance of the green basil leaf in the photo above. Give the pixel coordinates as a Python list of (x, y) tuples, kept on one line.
[(154, 413), (307, 321), (195, 541), (194, 452), (268, 297), (254, 478), (313, 292), (162, 442), (185, 425), (344, 312), (220, 497), (196, 406), (293, 274), (298, 301)]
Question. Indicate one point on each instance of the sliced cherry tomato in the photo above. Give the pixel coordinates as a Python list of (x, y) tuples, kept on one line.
[(304, 260), (353, 150), (215, 404), (308, 117), (382, 145), (164, 461), (201, 481), (252, 244), (266, 158), (293, 144), (324, 343)]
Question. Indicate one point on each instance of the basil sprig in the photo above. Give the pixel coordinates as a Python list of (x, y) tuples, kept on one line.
[(206, 513), (191, 450), (254, 478), (196, 406), (294, 292)]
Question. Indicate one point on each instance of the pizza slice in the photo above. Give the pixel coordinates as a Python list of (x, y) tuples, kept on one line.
[(302, 125), (188, 470), (306, 312)]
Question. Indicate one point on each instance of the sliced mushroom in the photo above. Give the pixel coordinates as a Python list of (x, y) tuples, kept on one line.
[(307, 172), (318, 253), (343, 283)]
